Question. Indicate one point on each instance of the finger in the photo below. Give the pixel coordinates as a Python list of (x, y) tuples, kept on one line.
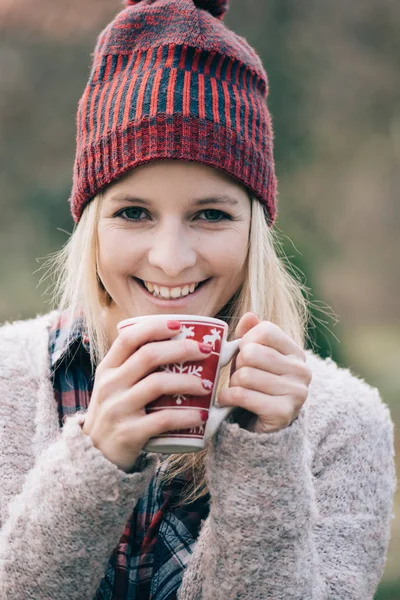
[(171, 419), (279, 412), (152, 387), (268, 359), (269, 334), (267, 383), (133, 337), (247, 322), (153, 355)]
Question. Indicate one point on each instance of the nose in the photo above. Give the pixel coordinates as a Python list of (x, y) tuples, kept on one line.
[(172, 249)]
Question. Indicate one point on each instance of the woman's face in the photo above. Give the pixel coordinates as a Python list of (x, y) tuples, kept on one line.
[(173, 238)]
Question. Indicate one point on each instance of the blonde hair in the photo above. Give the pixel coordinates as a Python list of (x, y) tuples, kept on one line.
[(271, 288)]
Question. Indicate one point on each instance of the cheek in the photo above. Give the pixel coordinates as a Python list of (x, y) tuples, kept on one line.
[(116, 251), (229, 255)]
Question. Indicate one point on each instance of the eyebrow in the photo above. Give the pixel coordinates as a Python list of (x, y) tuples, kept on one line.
[(219, 199)]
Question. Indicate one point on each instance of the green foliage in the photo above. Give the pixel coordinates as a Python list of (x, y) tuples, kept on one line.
[(388, 590), (323, 339)]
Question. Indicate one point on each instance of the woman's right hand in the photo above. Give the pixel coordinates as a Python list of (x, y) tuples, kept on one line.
[(125, 383)]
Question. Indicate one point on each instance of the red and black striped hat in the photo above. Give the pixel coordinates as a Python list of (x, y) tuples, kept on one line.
[(170, 80)]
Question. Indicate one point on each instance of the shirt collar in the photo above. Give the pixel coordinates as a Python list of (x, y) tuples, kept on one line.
[(62, 336)]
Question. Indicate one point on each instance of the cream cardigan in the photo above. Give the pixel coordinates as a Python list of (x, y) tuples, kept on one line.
[(300, 514)]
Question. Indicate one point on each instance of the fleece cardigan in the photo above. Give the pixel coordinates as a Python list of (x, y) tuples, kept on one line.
[(300, 514)]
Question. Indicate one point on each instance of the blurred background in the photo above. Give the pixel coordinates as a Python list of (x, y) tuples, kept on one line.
[(335, 100)]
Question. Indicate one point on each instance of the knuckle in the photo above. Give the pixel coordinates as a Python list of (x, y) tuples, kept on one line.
[(299, 392), (295, 398), (189, 346), (301, 371), (164, 420), (237, 394), (249, 352), (125, 338), (244, 376), (302, 393), (308, 375), (156, 383), (105, 384), (148, 354), (267, 327)]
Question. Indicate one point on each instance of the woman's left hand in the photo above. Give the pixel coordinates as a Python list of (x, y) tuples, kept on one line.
[(270, 379)]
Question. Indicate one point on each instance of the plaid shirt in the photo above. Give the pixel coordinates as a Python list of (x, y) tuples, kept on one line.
[(159, 538)]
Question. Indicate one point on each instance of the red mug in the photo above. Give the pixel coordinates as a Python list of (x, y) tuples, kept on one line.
[(204, 330)]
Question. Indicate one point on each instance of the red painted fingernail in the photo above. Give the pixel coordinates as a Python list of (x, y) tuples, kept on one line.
[(207, 384), (205, 348), (204, 415), (175, 325)]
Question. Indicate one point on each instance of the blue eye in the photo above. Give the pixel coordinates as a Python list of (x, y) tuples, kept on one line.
[(214, 216), (132, 214)]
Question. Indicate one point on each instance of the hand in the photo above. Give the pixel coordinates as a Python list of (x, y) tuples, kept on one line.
[(125, 382), (270, 377)]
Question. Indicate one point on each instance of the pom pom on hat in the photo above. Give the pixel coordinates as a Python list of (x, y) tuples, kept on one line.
[(217, 8)]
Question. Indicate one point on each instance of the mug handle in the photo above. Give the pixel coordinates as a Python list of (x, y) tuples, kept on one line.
[(216, 414)]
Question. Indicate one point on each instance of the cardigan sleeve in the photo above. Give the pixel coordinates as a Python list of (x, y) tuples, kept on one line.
[(62, 528), (288, 521)]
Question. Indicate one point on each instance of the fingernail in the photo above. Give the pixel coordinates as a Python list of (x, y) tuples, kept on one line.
[(204, 415), (207, 384), (205, 348), (175, 325)]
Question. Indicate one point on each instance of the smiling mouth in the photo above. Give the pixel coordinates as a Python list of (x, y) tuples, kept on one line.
[(164, 293)]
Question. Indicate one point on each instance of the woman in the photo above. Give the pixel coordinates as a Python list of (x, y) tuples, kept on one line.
[(174, 199)]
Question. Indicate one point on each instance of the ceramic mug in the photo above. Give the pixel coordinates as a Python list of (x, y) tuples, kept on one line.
[(204, 330)]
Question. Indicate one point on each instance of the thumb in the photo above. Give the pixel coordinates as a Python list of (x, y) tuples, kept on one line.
[(247, 322)]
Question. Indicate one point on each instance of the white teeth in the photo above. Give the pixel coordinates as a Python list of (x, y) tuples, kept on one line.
[(175, 292), (164, 292), (168, 293)]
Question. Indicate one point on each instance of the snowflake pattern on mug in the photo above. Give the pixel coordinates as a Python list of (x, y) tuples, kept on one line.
[(179, 368), (186, 332), (207, 384)]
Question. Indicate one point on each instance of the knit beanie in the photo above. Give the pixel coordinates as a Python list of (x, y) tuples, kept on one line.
[(170, 80)]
